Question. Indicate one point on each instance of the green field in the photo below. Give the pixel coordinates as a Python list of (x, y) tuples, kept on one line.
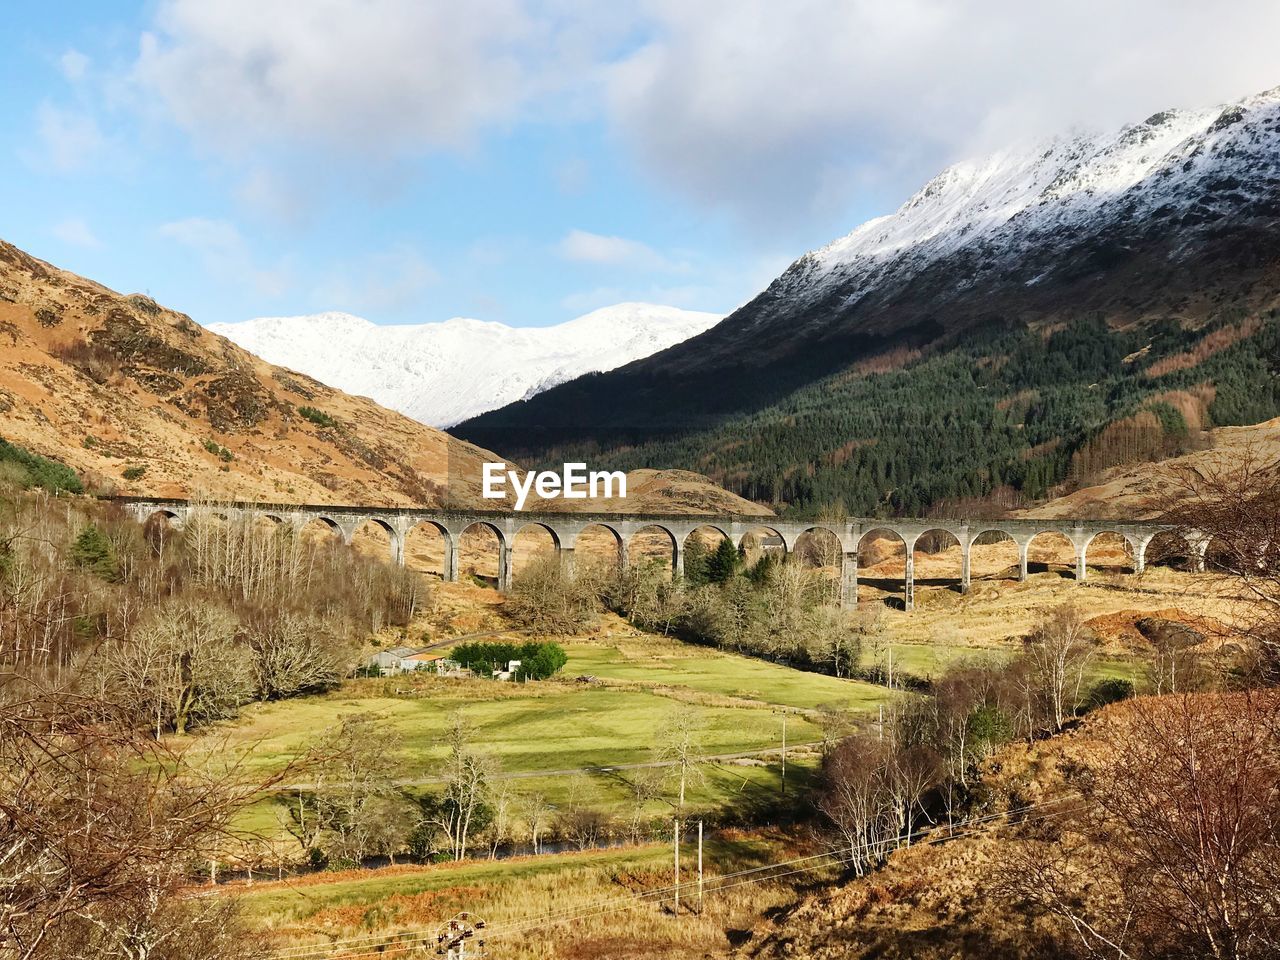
[(571, 742), (930, 661), (564, 725), (712, 672), (560, 727)]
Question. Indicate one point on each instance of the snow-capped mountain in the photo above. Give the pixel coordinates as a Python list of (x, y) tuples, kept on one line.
[(1181, 173), (1175, 218), (442, 373)]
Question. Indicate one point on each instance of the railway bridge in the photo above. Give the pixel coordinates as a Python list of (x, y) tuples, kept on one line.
[(565, 528)]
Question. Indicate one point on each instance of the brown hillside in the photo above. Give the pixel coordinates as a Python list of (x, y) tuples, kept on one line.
[(1126, 492), (106, 383)]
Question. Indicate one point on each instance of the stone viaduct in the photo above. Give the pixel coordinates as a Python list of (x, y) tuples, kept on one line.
[(565, 528)]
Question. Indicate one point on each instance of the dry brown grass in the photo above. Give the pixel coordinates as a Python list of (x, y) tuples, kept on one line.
[(597, 904)]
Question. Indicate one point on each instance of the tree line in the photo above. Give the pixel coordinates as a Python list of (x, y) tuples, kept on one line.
[(1013, 411)]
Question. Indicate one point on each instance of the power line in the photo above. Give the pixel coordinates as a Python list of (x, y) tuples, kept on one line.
[(839, 855), (388, 944)]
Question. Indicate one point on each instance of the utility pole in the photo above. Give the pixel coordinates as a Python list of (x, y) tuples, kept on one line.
[(699, 868), (784, 749), (676, 839), (784, 754)]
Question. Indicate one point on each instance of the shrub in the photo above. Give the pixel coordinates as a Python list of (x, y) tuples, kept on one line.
[(538, 661), (94, 360), (37, 471), (134, 473), (1111, 690), (318, 417), (219, 451)]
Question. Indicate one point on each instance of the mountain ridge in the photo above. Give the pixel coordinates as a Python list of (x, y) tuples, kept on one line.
[(137, 398), (1189, 193), (1045, 281), (443, 372)]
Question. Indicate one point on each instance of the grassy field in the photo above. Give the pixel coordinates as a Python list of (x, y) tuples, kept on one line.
[(594, 903), (928, 661), (562, 725), (660, 664), (572, 742)]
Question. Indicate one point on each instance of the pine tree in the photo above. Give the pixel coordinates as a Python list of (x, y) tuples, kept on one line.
[(723, 563), (93, 552)]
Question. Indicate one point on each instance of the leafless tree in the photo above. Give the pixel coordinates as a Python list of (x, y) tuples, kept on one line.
[(1058, 653), (98, 827), (549, 600), (855, 797), (644, 787), (679, 749), (186, 664), (353, 809), (583, 826), (295, 654), (1175, 852), (468, 776), (1229, 510), (537, 812)]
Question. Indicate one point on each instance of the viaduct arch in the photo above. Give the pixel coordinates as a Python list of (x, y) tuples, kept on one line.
[(565, 528)]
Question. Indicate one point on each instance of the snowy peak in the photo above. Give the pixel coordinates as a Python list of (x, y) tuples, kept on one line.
[(442, 373), (1172, 221), (1191, 167)]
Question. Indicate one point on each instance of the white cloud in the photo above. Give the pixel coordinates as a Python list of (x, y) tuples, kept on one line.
[(582, 246), (786, 110), (75, 232), (224, 253), (360, 77), (779, 113), (68, 140), (73, 65)]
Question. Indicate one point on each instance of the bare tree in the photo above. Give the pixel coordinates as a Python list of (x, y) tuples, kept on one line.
[(97, 828), (503, 803), (679, 750), (1229, 510), (468, 775), (644, 787), (1176, 851), (856, 798), (185, 665), (295, 654), (1058, 653), (548, 599), (354, 810), (537, 812)]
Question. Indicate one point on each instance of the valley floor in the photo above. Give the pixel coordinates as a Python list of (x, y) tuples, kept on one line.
[(580, 741)]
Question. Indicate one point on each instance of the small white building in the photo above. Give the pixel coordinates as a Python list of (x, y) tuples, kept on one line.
[(507, 674)]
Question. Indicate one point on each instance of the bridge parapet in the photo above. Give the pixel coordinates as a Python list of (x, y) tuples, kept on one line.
[(566, 528)]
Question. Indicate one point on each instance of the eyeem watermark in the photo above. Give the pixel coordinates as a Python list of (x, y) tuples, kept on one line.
[(572, 483)]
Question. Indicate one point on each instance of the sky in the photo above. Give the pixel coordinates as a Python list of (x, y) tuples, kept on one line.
[(527, 161)]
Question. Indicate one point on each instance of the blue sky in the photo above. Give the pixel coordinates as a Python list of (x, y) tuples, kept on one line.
[(530, 160)]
